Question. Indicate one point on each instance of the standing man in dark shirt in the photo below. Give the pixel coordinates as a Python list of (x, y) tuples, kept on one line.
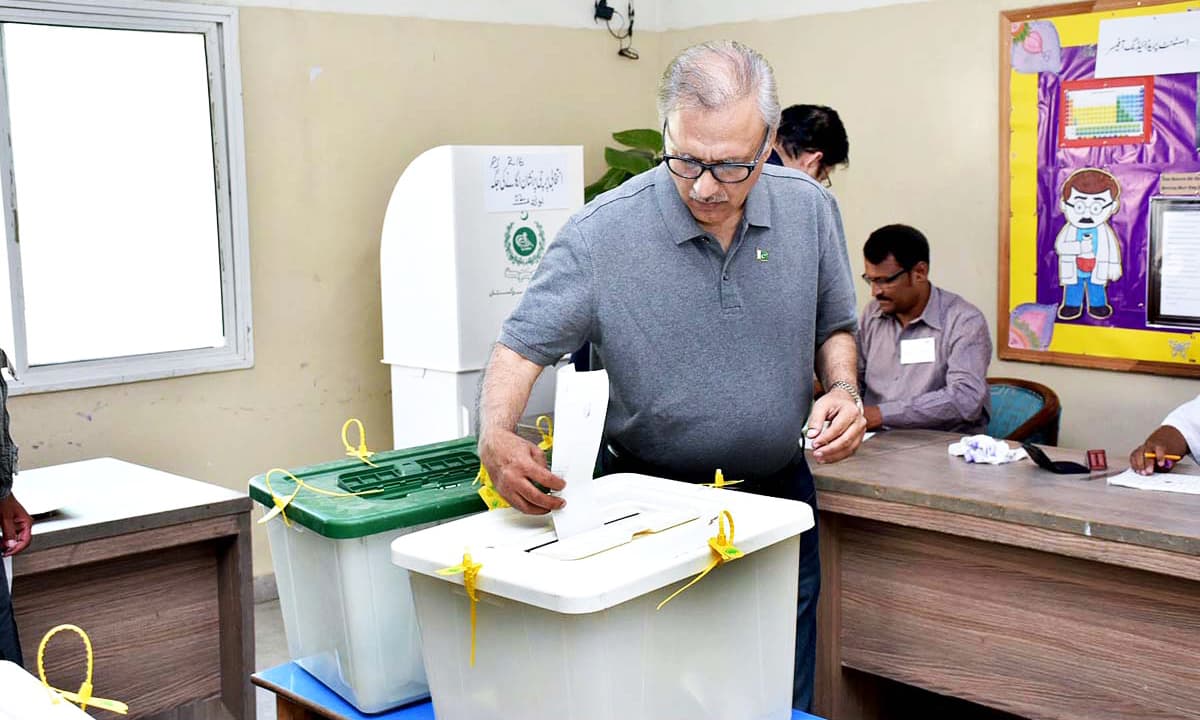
[(15, 527), (811, 139)]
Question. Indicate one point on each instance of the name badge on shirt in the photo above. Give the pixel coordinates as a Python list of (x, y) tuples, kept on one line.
[(916, 351)]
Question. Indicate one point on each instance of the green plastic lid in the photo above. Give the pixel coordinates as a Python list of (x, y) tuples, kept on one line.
[(418, 485)]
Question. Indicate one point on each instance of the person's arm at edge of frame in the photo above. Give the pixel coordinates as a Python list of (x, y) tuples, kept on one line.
[(16, 526), (512, 461), (1170, 438), (837, 360)]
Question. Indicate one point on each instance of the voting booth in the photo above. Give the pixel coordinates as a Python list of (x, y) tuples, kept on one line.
[(464, 230)]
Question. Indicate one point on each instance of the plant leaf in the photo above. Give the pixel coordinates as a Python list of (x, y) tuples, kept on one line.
[(644, 139), (630, 161), (609, 180), (616, 179)]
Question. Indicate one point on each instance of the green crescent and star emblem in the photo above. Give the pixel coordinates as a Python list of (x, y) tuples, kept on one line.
[(524, 241)]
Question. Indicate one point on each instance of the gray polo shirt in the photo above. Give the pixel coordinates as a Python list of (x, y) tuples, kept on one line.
[(709, 354)]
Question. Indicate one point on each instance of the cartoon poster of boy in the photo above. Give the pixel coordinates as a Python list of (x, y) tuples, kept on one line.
[(1089, 256)]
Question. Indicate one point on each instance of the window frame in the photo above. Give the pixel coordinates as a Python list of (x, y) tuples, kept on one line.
[(219, 25)]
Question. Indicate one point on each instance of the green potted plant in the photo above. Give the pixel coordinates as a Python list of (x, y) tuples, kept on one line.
[(645, 152)]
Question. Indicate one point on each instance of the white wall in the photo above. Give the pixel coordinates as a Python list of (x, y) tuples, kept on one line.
[(684, 14), (650, 15)]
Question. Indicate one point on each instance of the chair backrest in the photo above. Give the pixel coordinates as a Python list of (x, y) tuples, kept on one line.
[(1024, 410)]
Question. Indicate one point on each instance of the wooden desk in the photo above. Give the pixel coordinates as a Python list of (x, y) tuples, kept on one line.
[(1047, 596), (156, 568)]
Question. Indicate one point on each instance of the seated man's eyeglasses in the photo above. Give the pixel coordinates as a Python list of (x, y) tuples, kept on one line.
[(723, 172), (884, 281)]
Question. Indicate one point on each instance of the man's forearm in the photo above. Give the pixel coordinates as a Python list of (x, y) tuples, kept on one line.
[(507, 383), (837, 359)]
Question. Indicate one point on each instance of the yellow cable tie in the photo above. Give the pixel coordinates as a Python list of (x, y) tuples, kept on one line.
[(547, 432), (470, 572), (719, 480), (281, 503), (487, 490), (83, 698), (723, 549), (361, 452)]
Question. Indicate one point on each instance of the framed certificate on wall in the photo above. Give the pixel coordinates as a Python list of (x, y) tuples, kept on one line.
[(1173, 285)]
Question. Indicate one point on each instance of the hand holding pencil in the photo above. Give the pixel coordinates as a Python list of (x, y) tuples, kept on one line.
[(1159, 453)]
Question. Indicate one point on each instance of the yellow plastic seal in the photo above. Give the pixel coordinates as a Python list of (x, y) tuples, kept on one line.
[(722, 548), (719, 480), (282, 501), (547, 432), (361, 452), (470, 572), (84, 697), (487, 491)]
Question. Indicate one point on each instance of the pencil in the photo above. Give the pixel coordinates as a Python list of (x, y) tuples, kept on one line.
[(1164, 457)]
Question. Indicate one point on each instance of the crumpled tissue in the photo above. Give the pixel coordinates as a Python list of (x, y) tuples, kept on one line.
[(986, 449)]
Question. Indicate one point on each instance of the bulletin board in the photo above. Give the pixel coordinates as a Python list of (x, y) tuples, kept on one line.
[(1098, 127)]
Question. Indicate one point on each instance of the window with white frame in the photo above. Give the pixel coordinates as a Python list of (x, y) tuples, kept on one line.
[(123, 187)]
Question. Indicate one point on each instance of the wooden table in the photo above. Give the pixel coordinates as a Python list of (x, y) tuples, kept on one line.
[(156, 568), (1042, 595)]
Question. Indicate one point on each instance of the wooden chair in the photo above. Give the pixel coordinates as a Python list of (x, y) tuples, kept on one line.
[(1024, 410)]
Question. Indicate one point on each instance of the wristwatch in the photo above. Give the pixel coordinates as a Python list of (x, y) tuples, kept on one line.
[(851, 391)]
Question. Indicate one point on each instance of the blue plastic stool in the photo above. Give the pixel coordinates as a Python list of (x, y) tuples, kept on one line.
[(291, 683)]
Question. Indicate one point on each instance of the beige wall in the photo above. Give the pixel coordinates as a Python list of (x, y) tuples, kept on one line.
[(322, 156), (916, 85)]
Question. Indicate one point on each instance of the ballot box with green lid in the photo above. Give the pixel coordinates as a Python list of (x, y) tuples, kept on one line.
[(347, 610)]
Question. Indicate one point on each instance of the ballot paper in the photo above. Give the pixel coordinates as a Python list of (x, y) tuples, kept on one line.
[(1169, 482), (580, 404), (8, 572)]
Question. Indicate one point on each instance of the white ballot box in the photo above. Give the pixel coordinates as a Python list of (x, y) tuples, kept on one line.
[(571, 627), (23, 697), (464, 230)]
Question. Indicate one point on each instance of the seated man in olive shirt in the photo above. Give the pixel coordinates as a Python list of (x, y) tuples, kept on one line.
[(923, 351)]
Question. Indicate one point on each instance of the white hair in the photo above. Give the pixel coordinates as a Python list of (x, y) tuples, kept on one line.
[(713, 75)]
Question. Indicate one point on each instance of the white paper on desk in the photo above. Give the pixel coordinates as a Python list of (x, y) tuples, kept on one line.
[(580, 404), (1168, 482)]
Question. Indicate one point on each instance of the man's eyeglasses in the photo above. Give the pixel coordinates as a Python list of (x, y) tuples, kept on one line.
[(722, 172), (884, 281)]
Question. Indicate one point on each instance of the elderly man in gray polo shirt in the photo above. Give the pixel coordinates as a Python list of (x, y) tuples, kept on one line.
[(705, 286)]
